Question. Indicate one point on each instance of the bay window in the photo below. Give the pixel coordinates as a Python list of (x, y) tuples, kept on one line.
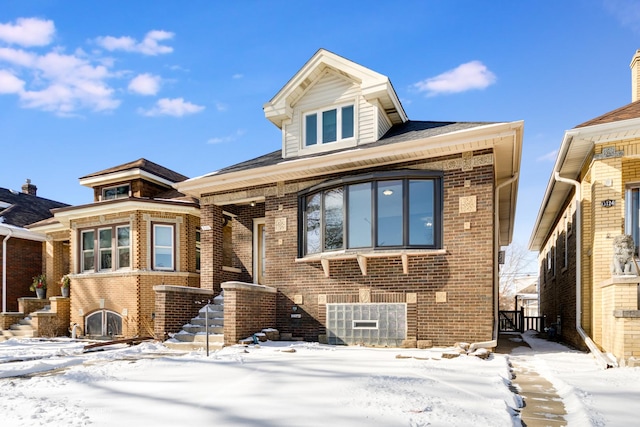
[(399, 209), (99, 245)]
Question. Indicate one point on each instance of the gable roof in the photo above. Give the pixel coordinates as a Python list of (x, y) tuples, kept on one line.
[(374, 86), (140, 167), (20, 209)]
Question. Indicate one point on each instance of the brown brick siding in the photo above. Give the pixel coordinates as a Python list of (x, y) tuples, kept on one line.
[(464, 272), (175, 306)]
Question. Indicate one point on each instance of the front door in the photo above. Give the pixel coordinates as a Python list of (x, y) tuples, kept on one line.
[(259, 250)]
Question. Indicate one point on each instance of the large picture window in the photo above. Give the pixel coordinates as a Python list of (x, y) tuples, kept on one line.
[(163, 247), (326, 126), (98, 247), (400, 209)]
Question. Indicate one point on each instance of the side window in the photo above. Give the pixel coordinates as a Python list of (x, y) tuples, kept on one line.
[(227, 242), (118, 192), (163, 247), (327, 126), (105, 249)]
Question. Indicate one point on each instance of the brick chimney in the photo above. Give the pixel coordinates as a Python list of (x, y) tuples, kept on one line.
[(29, 188), (635, 77)]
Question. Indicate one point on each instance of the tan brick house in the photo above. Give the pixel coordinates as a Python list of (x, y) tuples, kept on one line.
[(372, 228), (592, 197), (137, 233)]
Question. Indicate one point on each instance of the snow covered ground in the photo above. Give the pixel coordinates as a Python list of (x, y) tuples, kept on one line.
[(292, 384)]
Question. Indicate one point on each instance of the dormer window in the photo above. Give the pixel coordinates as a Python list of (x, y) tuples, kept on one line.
[(327, 126), (118, 192)]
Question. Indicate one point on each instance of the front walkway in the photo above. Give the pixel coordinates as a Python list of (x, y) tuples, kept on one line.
[(542, 405)]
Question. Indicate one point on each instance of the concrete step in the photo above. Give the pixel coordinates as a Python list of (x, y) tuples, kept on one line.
[(213, 308), (194, 329), (213, 321), (25, 321), (21, 327), (201, 338), (192, 346), (17, 333)]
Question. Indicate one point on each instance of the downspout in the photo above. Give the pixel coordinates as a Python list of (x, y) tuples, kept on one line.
[(605, 360), (4, 269), (496, 268)]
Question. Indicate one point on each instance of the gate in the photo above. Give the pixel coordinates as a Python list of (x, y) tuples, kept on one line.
[(516, 321)]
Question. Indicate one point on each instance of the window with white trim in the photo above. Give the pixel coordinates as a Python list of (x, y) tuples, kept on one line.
[(98, 246), (163, 247), (198, 248), (327, 126), (117, 192), (632, 215)]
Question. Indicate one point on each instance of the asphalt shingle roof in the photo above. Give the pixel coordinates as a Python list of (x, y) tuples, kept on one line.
[(24, 208), (408, 131), (145, 165), (629, 111)]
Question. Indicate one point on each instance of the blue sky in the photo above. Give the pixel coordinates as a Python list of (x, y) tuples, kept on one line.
[(88, 85)]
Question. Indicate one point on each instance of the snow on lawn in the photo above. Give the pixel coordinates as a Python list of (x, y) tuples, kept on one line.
[(296, 384), (54, 383), (592, 396)]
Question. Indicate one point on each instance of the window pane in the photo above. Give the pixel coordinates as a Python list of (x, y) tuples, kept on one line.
[(163, 258), (311, 126), (421, 212), (635, 217), (389, 213), (347, 122), (114, 324), (124, 259), (312, 224), (359, 215), (227, 243), (163, 235), (333, 219), (87, 240), (198, 249), (94, 324), (105, 238), (105, 259), (88, 261), (329, 126), (123, 236)]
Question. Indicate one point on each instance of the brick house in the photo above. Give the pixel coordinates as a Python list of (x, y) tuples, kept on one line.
[(21, 249), (370, 228), (137, 233), (593, 196)]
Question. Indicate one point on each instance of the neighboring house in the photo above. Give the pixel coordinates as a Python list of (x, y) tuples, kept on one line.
[(21, 249), (372, 228), (138, 232), (593, 196)]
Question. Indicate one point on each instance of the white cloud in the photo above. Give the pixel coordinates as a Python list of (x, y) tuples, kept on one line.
[(176, 107), (548, 157), (10, 83), (28, 32), (148, 46), (145, 84), (230, 138), (469, 76), (221, 106), (17, 56), (237, 76)]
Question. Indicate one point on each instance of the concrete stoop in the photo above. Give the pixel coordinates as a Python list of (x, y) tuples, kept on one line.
[(22, 329), (193, 335)]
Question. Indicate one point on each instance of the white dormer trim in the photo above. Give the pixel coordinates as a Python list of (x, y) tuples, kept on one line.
[(372, 84)]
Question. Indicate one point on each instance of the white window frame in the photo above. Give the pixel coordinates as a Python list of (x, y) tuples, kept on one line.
[(172, 247), (122, 196), (97, 250), (83, 251), (319, 128)]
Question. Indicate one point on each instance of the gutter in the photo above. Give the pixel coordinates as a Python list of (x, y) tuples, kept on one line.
[(605, 360), (4, 267)]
